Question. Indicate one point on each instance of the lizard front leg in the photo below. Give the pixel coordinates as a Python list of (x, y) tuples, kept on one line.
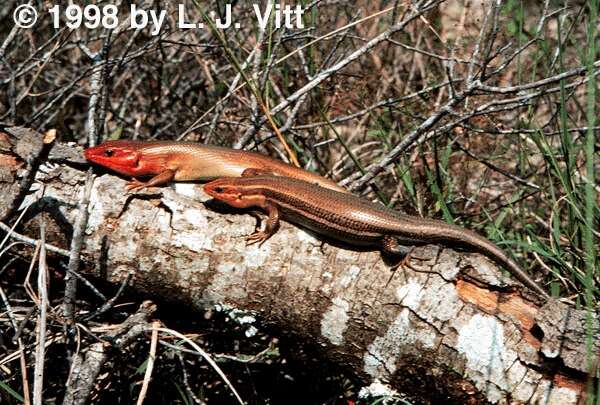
[(160, 179), (271, 225)]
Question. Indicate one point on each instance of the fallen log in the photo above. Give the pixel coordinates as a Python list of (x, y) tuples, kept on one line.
[(445, 324)]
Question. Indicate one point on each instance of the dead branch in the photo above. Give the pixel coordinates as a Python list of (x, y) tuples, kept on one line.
[(449, 318)]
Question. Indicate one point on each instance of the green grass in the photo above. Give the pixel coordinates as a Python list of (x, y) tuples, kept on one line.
[(6, 388), (591, 208)]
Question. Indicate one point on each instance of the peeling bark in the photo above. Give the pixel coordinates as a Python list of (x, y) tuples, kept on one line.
[(446, 324)]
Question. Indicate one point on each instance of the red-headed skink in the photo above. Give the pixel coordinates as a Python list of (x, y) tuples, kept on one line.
[(348, 218), (166, 161)]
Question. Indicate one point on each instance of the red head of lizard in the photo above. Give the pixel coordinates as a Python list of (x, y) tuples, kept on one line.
[(227, 190), (123, 157)]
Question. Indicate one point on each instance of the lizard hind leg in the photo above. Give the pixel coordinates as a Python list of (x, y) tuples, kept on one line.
[(392, 249), (390, 246), (252, 171)]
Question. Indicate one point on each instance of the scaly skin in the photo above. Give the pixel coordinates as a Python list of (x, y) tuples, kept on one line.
[(166, 161), (348, 218)]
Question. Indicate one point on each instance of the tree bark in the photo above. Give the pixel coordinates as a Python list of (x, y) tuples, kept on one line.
[(446, 323)]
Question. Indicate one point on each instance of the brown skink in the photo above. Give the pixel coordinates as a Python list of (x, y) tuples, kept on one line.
[(349, 218), (166, 161)]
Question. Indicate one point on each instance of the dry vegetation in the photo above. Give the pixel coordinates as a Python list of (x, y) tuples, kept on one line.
[(478, 112)]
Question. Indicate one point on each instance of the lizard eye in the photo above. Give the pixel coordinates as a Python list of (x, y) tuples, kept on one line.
[(109, 152), (218, 189)]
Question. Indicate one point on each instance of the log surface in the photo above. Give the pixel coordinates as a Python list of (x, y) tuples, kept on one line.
[(448, 323)]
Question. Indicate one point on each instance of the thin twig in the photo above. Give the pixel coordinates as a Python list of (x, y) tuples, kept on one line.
[(205, 356), (111, 302), (31, 241), (186, 382), (150, 363), (22, 361), (325, 74), (40, 351), (75, 254)]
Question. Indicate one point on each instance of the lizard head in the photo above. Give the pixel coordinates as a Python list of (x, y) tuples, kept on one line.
[(121, 156), (231, 191)]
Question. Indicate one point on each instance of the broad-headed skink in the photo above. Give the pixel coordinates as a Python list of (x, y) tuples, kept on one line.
[(348, 218), (166, 161)]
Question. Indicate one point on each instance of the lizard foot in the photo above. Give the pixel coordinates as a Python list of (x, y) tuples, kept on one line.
[(135, 185), (257, 237)]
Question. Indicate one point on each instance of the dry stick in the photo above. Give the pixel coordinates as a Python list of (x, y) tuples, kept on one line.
[(414, 137), (22, 361), (325, 74), (150, 364), (75, 255), (255, 108), (85, 369), (49, 105), (495, 10), (7, 41), (230, 92), (383, 103), (31, 241), (422, 131), (185, 374), (539, 83), (40, 351), (508, 60), (255, 91), (87, 284), (219, 107), (96, 83), (10, 230), (205, 356), (108, 304), (495, 168), (32, 81), (30, 62), (96, 86)]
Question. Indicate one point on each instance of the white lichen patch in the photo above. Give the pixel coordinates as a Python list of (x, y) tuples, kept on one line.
[(306, 237), (409, 294), (545, 392), (436, 303), (96, 216), (226, 283), (188, 226), (335, 321), (256, 256), (105, 188), (551, 350), (381, 355), (486, 271), (542, 393), (349, 275), (251, 331), (190, 190), (194, 217), (447, 264), (482, 341), (241, 317), (522, 382), (378, 390), (443, 303), (186, 274), (561, 396)]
